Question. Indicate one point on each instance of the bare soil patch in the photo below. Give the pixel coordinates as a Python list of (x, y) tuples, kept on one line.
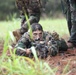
[(62, 61)]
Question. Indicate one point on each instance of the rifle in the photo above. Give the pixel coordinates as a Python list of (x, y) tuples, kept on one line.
[(41, 49), (45, 47)]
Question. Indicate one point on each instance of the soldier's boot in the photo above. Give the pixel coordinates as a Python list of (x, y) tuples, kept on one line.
[(17, 34)]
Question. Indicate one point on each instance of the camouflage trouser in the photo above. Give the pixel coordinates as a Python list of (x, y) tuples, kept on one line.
[(66, 10), (73, 21), (33, 18), (29, 15), (69, 8)]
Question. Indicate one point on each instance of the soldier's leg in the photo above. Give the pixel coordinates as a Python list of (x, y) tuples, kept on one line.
[(34, 17), (73, 21), (23, 17), (16, 34), (66, 11), (68, 16), (19, 32)]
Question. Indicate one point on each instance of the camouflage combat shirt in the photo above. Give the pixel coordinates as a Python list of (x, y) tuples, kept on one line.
[(52, 42)]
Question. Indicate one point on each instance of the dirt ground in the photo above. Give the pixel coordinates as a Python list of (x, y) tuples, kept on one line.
[(64, 62)]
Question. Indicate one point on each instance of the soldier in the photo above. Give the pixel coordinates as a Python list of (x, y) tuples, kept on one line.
[(43, 42), (31, 8), (71, 18)]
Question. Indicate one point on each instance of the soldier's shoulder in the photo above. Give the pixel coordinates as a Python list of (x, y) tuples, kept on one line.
[(25, 38)]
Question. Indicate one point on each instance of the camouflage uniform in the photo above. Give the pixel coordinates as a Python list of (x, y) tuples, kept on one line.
[(71, 10), (73, 21), (52, 45)]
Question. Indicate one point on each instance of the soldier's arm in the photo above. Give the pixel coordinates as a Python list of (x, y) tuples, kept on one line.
[(22, 46), (61, 43), (53, 48), (52, 45)]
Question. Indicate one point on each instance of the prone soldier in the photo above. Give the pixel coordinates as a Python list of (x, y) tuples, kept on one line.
[(44, 42)]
